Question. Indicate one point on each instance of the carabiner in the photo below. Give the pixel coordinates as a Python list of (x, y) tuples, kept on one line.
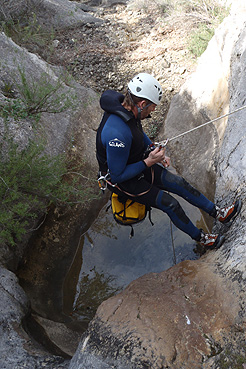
[(103, 181), (162, 143)]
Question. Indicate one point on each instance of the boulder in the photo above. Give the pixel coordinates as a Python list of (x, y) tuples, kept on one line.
[(62, 14), (174, 319), (50, 14), (16, 348)]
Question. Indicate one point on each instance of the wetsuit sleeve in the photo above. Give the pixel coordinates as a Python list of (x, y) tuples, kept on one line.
[(118, 143), (147, 141)]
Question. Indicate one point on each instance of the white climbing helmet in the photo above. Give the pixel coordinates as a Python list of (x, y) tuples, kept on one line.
[(146, 86)]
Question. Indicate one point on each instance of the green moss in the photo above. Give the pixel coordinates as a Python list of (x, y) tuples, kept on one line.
[(231, 360)]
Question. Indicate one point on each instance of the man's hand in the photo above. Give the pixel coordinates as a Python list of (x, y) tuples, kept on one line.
[(166, 162), (157, 156)]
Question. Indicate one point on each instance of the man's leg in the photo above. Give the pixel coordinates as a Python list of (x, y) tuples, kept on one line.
[(173, 183), (181, 187), (157, 198)]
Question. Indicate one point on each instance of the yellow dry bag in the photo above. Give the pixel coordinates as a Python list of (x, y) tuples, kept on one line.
[(128, 212)]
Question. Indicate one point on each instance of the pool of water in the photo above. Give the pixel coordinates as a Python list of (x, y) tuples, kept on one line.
[(107, 260)]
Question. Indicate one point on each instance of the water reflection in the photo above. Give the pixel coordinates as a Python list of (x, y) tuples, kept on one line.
[(93, 289), (110, 260)]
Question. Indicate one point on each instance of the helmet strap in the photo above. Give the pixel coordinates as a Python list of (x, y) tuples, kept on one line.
[(138, 108), (139, 113)]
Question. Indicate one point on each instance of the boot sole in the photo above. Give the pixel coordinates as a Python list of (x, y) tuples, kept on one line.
[(219, 242)]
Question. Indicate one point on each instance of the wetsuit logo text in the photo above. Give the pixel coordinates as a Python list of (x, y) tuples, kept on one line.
[(116, 143)]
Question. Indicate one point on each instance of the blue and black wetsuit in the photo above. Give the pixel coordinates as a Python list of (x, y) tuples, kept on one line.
[(121, 144)]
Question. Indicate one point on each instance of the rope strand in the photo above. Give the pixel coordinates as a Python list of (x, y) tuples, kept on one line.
[(173, 246), (204, 124)]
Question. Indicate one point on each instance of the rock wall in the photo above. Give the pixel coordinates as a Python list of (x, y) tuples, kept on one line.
[(50, 14), (16, 349), (231, 176), (58, 127), (73, 129), (76, 125), (203, 97)]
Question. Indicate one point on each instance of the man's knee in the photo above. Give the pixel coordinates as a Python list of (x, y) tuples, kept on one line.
[(181, 182), (172, 205)]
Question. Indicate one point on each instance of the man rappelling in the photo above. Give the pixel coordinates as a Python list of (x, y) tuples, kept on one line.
[(121, 153)]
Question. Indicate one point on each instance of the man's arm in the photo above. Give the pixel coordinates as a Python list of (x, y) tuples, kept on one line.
[(147, 141), (117, 142)]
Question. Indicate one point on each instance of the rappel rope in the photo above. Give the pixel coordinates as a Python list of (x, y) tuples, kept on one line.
[(173, 246), (165, 142)]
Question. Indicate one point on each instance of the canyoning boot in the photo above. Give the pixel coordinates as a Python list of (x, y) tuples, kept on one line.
[(211, 241), (228, 213)]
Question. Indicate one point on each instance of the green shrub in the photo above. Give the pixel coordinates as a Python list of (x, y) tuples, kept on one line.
[(29, 33), (43, 95), (30, 181), (208, 15), (13, 108), (199, 39), (35, 96)]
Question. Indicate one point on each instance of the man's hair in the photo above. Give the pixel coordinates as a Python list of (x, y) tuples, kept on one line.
[(132, 100)]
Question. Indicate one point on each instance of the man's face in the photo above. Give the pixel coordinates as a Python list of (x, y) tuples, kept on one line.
[(147, 110)]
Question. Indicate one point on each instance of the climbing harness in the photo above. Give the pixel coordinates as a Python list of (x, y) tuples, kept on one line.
[(125, 211), (104, 181)]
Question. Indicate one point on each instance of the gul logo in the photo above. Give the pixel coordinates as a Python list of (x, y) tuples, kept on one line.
[(116, 143)]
